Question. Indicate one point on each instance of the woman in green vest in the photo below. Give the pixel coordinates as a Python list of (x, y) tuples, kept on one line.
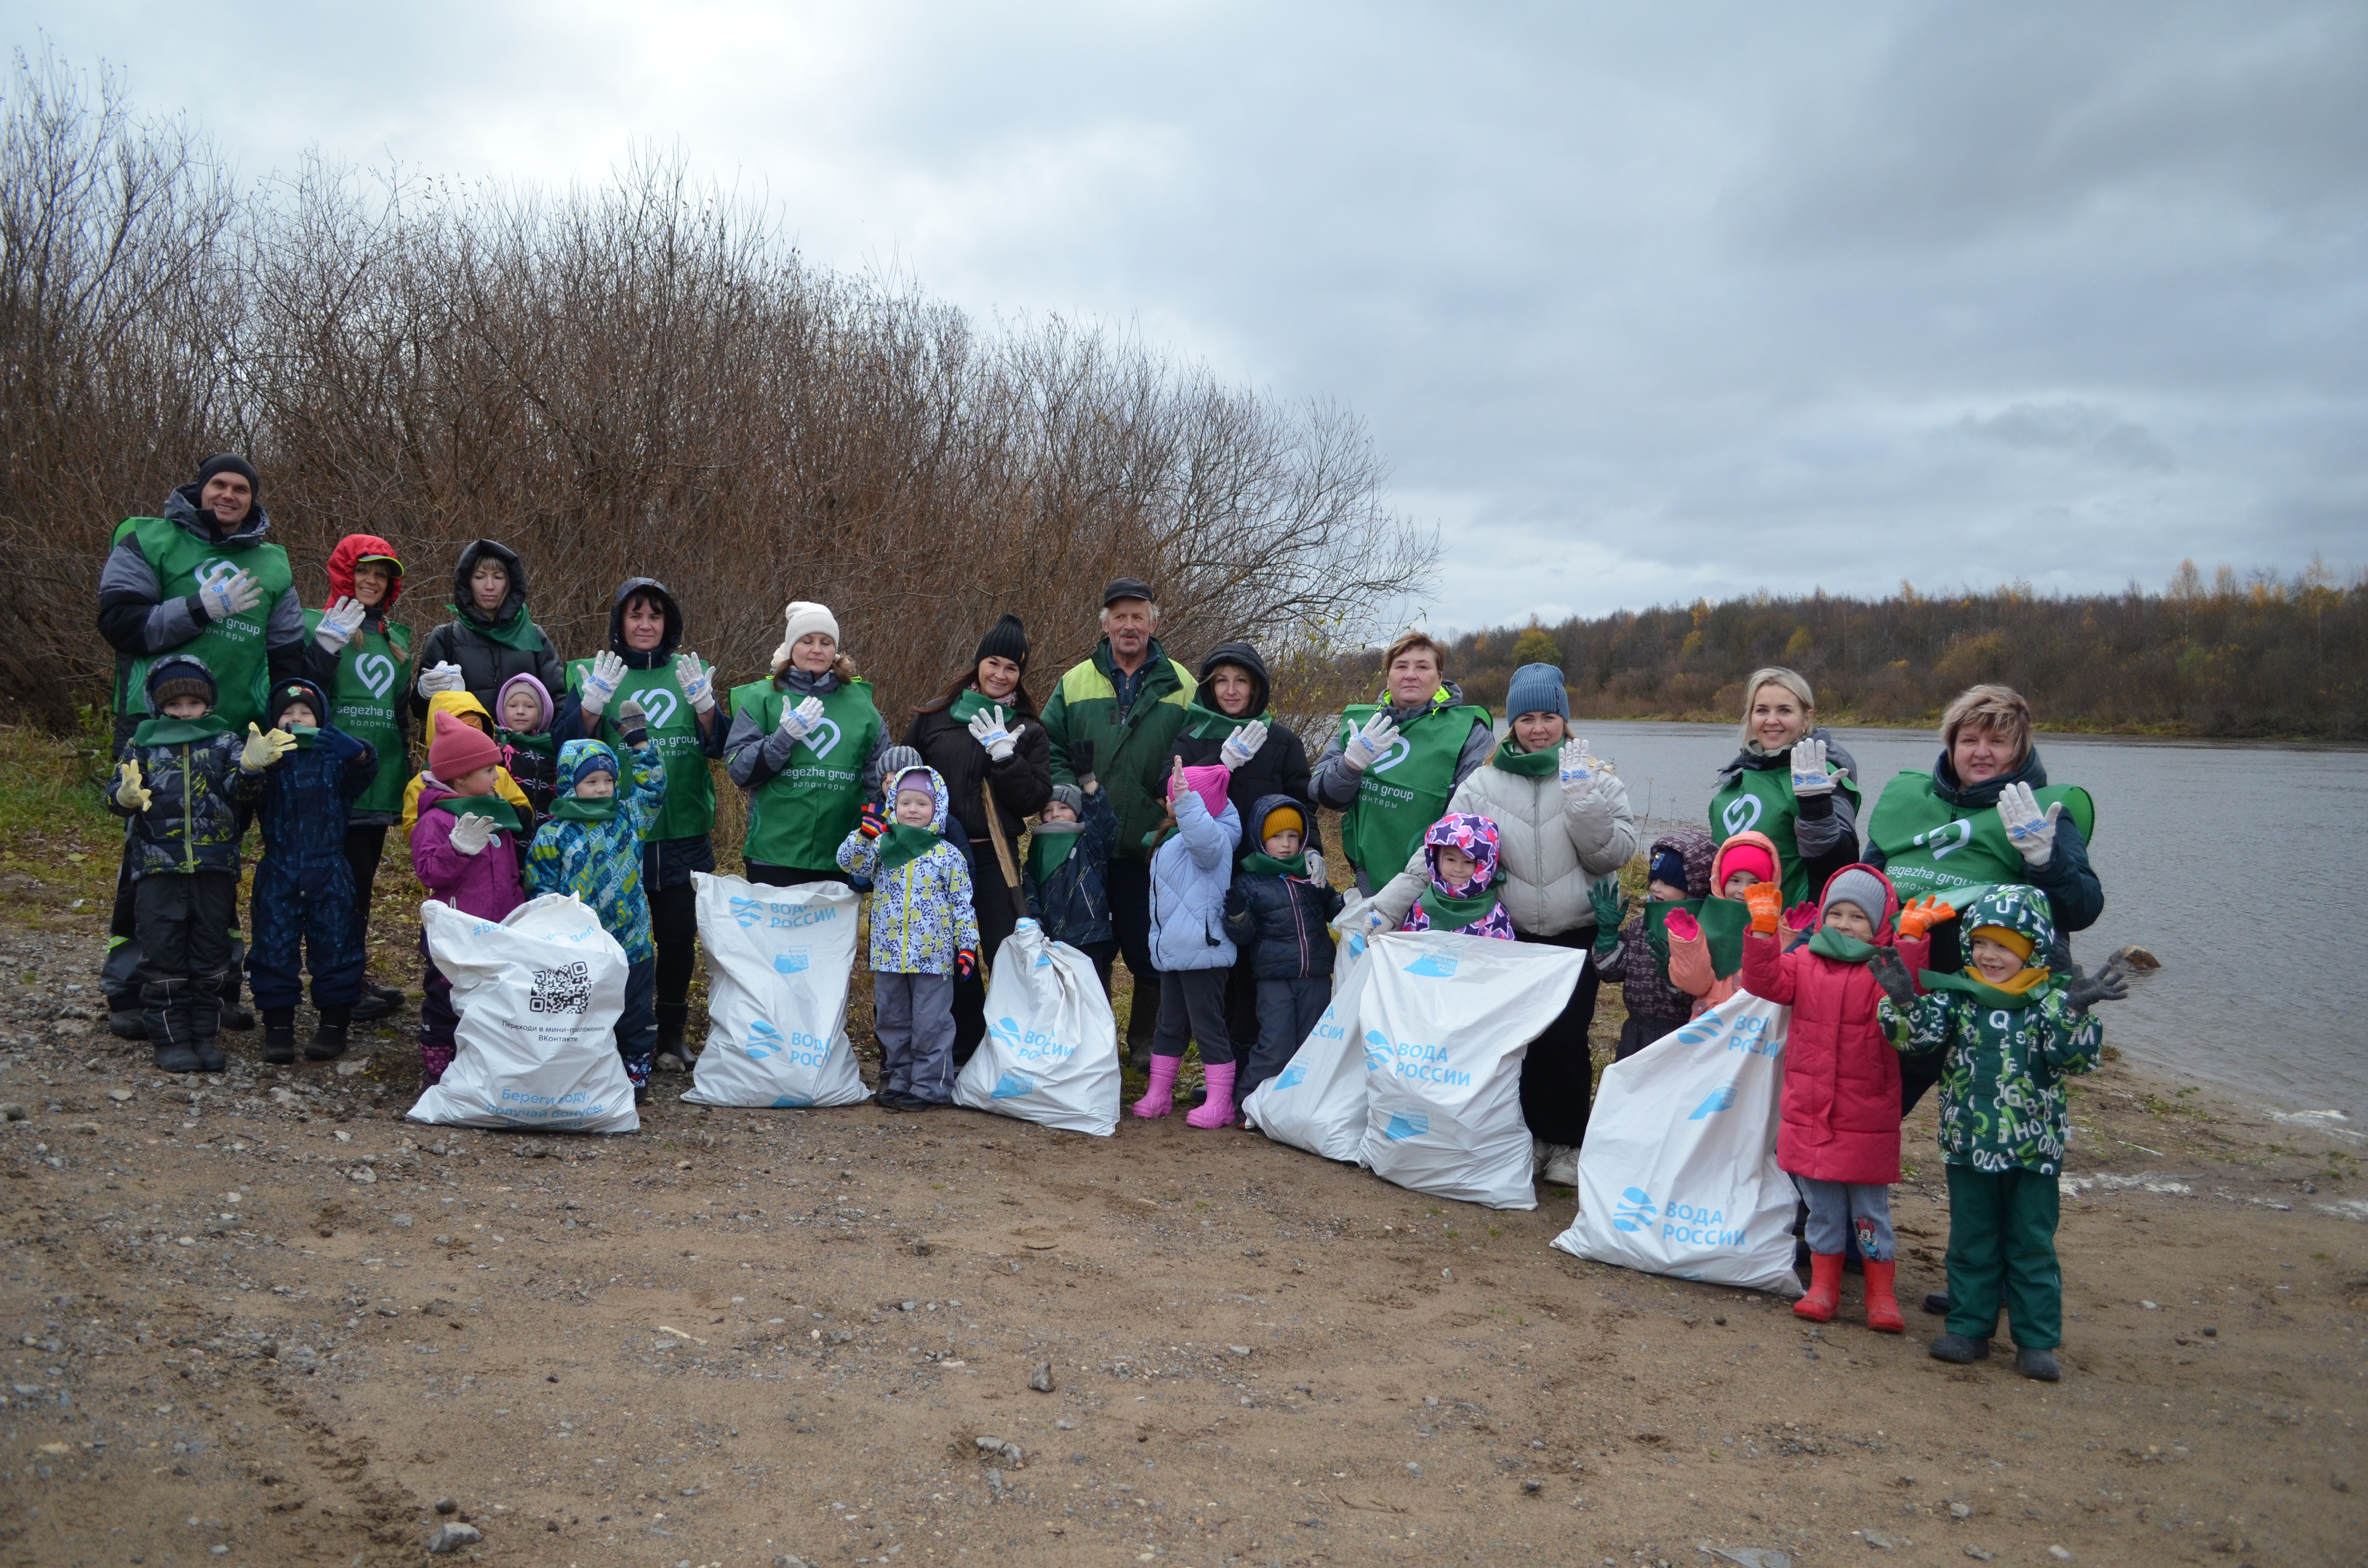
[(1392, 766), (1791, 782), (361, 659), (675, 693), (806, 746)]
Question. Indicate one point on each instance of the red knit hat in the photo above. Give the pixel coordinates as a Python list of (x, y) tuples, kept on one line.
[(460, 748)]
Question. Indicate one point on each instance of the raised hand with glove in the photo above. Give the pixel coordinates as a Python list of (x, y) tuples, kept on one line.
[(987, 728), (229, 592), (798, 722), (601, 683), (2083, 991), (1890, 972), (1611, 907), (338, 624), (1681, 926), (1366, 747), (1243, 743), (697, 680), (129, 792), (633, 724), (1577, 767), (1922, 913), (1767, 904), (1799, 920), (443, 676), (2032, 831), (872, 822), (471, 833), (1081, 764), (262, 750), (1810, 776)]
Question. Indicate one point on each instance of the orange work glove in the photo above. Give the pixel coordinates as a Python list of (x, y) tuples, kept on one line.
[(1767, 902), (1921, 914)]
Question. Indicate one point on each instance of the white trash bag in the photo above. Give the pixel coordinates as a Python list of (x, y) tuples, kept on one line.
[(1050, 1051), (1678, 1175), (538, 995), (1317, 1101), (778, 961), (1446, 1021)]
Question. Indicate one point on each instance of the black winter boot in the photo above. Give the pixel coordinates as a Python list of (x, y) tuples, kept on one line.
[(674, 1017), (378, 1002), (328, 1041), (279, 1036), (205, 1021), (165, 1006), (124, 1018), (1960, 1348)]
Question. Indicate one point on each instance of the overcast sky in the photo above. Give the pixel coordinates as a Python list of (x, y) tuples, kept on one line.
[(1640, 303)]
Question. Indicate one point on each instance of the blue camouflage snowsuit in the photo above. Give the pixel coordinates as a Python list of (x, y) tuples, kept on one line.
[(303, 905)]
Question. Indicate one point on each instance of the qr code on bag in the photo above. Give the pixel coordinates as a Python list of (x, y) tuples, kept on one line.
[(566, 989)]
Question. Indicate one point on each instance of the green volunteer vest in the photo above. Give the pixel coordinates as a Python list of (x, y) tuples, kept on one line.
[(1764, 798), (234, 649), (362, 702), (1929, 847), (1407, 788), (798, 817), (688, 810)]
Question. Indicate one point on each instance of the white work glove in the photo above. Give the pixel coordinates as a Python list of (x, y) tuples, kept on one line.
[(2033, 831), (1577, 766), (1369, 743), (441, 675), (986, 727), (338, 624), (698, 682), (1316, 866), (229, 592), (471, 833), (1243, 743), (1809, 775), (262, 750), (128, 791), (798, 722), (601, 683)]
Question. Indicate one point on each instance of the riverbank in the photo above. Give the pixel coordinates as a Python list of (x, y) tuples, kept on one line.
[(265, 1313)]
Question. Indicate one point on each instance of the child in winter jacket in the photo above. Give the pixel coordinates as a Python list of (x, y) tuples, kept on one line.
[(1705, 936), (1459, 855), (181, 778), (466, 708), (924, 937), (1068, 856), (2013, 1032), (523, 713), (1279, 911), (592, 847), (464, 851), (1839, 1136), (1637, 954), (1192, 871), (303, 905)]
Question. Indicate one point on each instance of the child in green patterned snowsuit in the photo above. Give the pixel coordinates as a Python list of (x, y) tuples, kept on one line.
[(2013, 1033), (592, 847)]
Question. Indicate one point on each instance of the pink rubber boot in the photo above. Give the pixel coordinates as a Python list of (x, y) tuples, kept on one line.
[(1219, 1111), (1160, 1098)]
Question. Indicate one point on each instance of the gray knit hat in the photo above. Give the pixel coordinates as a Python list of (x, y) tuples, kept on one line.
[(1537, 689), (1072, 797), (1858, 885)]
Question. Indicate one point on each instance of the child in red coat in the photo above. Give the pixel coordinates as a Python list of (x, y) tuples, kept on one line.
[(1839, 1137)]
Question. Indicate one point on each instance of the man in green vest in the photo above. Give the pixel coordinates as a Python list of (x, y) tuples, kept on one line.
[(202, 580), (1392, 766), (1113, 718)]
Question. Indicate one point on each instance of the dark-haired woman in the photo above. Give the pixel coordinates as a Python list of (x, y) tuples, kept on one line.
[(982, 736), (494, 638), (806, 745)]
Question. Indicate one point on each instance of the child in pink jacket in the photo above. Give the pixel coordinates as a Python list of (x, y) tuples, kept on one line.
[(465, 853)]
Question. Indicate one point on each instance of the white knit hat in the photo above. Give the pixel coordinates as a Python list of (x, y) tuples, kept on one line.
[(801, 616)]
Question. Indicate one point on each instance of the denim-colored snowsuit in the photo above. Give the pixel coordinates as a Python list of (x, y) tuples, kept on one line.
[(303, 905)]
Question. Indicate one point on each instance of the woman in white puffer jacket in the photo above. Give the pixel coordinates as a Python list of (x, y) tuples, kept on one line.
[(1563, 824)]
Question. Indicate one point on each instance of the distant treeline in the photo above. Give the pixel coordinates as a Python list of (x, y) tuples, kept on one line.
[(2256, 656)]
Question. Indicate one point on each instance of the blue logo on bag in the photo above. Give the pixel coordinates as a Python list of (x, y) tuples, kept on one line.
[(1045, 960), (1006, 1032), (1439, 966), (1721, 1098), (1011, 1085), (1634, 1211), (764, 1040), (793, 1102), (1407, 1124), (1290, 1076), (1377, 1051), (791, 963), (1701, 1030)]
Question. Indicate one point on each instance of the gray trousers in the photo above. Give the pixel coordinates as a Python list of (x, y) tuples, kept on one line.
[(1192, 1007), (1288, 1011), (913, 1015), (1836, 1208)]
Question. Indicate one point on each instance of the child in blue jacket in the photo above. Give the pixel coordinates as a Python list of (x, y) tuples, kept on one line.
[(1190, 874), (1068, 859), (304, 885), (924, 937)]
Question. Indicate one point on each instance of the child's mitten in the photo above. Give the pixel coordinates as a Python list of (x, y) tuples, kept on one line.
[(127, 791), (632, 723), (2110, 984), (1801, 918), (872, 824), (1682, 926), (1081, 762), (1767, 904), (471, 833), (1922, 913), (1891, 975), (965, 965)]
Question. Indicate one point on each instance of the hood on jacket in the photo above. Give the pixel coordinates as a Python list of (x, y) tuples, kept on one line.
[(1697, 851), (1477, 836), (176, 668), (937, 793), (578, 760), (464, 603), (664, 651), (351, 552), (285, 692), (2022, 909), (541, 695), (1245, 657), (181, 509), (1983, 796), (1266, 806), (1889, 925), (461, 705), (1718, 871)]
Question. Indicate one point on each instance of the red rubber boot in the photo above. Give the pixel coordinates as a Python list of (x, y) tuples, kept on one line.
[(1825, 1296), (1881, 1308)]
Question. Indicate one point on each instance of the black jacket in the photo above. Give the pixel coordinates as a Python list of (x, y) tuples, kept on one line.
[(486, 663), (1281, 765), (1283, 925), (1022, 782)]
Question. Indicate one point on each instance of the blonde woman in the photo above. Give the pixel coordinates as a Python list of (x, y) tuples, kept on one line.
[(1791, 782)]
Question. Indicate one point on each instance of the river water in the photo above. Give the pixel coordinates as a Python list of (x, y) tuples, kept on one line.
[(2233, 863)]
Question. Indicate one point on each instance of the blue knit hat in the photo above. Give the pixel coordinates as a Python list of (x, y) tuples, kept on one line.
[(1536, 688)]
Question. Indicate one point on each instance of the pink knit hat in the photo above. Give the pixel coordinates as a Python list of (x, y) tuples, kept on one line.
[(1209, 783), (460, 748)]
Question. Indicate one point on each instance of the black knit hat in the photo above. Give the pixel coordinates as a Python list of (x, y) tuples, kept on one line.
[(1125, 588), (1007, 638), (229, 463), (179, 674)]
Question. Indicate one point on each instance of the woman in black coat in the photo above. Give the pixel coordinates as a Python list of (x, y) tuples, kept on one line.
[(1233, 694), (982, 735), (494, 639)]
